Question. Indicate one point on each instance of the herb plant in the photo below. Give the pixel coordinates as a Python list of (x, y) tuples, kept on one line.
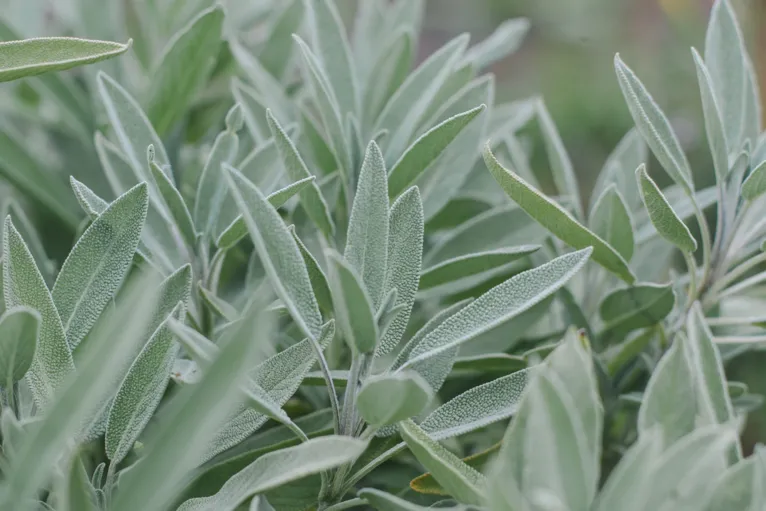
[(309, 276)]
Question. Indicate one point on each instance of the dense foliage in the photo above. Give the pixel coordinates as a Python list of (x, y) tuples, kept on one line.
[(309, 276)]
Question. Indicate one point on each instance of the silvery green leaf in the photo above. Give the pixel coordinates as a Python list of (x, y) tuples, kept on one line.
[(739, 488), (141, 391), (681, 204), (505, 40), (367, 237), (620, 166), (183, 68), (218, 305), (24, 286), (253, 109), (132, 128), (311, 197), (716, 138), (426, 149), (755, 184), (404, 110), (19, 331), (91, 204), (30, 57), (115, 165), (175, 203), (328, 107), (654, 127), (278, 251), (266, 85), (391, 69), (478, 407), (405, 256), (498, 305), (280, 376), (279, 468), (610, 220), (732, 75), (211, 189), (75, 492), (556, 219), (328, 37), (316, 275), (629, 485), (390, 398), (667, 402), (661, 214), (98, 263), (13, 432), (634, 307), (80, 394), (561, 165), (194, 417), (32, 237), (353, 306), (470, 265), (458, 79), (276, 53), (458, 479), (707, 367)]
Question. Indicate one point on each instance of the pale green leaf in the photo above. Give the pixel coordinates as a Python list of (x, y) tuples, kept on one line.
[(218, 305), (556, 219), (391, 69), (32, 237), (278, 251), (755, 184), (716, 138), (739, 488), (316, 275), (620, 166), (76, 491), (367, 238), (253, 109), (92, 204), (504, 41), (24, 286), (276, 53), (267, 87), (174, 202), (98, 263), (353, 306), (19, 331), (458, 479), (311, 197), (278, 468), (634, 307), (610, 220), (183, 68), (390, 398), (405, 256), (30, 57), (661, 214), (654, 127)]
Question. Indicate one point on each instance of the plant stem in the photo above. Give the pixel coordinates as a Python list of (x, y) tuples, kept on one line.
[(329, 384), (356, 502), (347, 421), (692, 267), (706, 245), (738, 272)]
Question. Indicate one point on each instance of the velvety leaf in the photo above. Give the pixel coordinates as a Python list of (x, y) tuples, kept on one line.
[(76, 491), (654, 127), (716, 138), (23, 286), (556, 219), (739, 488), (316, 275), (610, 220), (383, 501), (620, 167), (218, 305), (175, 203), (755, 184), (391, 69), (276, 53), (504, 41), (19, 330), (390, 398), (426, 483), (662, 215), (30, 57), (353, 306), (634, 307)]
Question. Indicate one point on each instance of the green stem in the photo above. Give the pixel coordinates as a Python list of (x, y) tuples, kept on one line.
[(347, 420), (356, 502), (738, 272), (692, 266), (706, 244)]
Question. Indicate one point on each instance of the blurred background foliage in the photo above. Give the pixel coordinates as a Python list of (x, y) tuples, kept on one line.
[(567, 58)]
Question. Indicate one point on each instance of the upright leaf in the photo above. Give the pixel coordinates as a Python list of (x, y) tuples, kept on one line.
[(610, 221), (174, 201), (76, 491), (716, 137), (30, 57), (392, 398), (276, 53), (620, 166), (316, 275), (505, 40), (98, 263), (391, 69), (661, 214), (24, 286), (353, 305), (19, 331), (556, 219)]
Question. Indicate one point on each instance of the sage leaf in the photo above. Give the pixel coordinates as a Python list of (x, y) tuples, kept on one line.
[(458, 479), (316, 275), (278, 251), (92, 204), (654, 127), (278, 468), (23, 286), (716, 137), (383, 501), (634, 307), (253, 110), (353, 306), (426, 149), (620, 166), (140, 392), (367, 238), (219, 306), (661, 214), (328, 37), (276, 53), (311, 197), (391, 69), (556, 219), (478, 407), (174, 201), (30, 57), (19, 331), (755, 184), (404, 262), (98, 263), (504, 41), (76, 491), (738, 487), (388, 399), (610, 220), (183, 68)]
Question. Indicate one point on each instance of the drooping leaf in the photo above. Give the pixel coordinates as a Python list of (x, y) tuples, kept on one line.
[(353, 306), (662, 215), (388, 399), (23, 286), (19, 331), (30, 57), (634, 307), (610, 220), (554, 218), (654, 127)]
